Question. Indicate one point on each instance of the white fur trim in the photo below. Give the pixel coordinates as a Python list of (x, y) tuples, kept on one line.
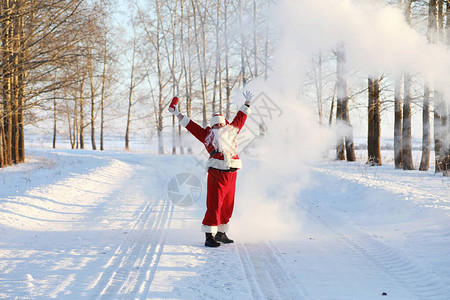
[(185, 121), (216, 120), (223, 227), (209, 229), (222, 164), (245, 109)]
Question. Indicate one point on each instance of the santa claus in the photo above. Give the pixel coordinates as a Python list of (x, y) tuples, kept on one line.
[(220, 140)]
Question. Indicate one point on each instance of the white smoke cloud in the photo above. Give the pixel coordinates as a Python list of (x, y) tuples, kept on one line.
[(377, 40), (268, 187), (376, 37)]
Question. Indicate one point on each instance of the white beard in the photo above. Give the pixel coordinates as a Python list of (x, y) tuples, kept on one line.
[(224, 140)]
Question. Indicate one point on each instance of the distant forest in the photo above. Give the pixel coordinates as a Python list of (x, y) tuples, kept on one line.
[(82, 65)]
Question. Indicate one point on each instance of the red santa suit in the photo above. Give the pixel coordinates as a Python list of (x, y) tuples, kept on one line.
[(222, 166)]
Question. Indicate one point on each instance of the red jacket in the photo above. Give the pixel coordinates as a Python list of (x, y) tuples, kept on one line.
[(217, 160)]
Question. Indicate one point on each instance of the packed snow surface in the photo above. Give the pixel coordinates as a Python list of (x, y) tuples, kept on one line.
[(108, 225)]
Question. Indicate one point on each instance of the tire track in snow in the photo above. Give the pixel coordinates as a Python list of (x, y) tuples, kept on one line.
[(418, 194), (266, 276), (402, 271), (132, 267), (113, 274), (423, 284), (60, 209), (141, 277)]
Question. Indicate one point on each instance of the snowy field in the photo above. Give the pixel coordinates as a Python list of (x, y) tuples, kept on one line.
[(100, 225)]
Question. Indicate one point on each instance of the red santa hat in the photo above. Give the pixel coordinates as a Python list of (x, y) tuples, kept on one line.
[(216, 119)]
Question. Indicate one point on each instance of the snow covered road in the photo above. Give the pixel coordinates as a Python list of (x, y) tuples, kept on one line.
[(90, 225)]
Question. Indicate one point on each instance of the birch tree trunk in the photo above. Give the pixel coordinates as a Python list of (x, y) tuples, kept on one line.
[(172, 65), (92, 98), (398, 120), (406, 125), (227, 66), (318, 82), (341, 94), (217, 71), (201, 54), (187, 63), (130, 96), (161, 85), (342, 114), (441, 112), (81, 123), (102, 96), (426, 140), (243, 47), (75, 144), (440, 134), (55, 118)]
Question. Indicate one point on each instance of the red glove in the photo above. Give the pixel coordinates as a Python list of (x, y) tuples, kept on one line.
[(174, 103)]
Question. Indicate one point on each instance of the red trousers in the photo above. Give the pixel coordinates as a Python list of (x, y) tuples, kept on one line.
[(220, 197)]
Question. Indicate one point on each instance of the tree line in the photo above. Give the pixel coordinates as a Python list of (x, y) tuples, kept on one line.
[(409, 93), (83, 65), (39, 41)]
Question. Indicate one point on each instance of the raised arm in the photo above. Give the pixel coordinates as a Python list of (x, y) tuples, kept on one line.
[(195, 129), (244, 111)]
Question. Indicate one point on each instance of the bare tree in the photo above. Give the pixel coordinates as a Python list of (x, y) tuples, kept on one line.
[(441, 112), (426, 140), (200, 43), (398, 121), (217, 87), (228, 85), (345, 141), (39, 39), (406, 125), (318, 83), (63, 58), (243, 46), (92, 95), (186, 58), (374, 122), (171, 55), (103, 92), (131, 87), (255, 39), (81, 103), (155, 37)]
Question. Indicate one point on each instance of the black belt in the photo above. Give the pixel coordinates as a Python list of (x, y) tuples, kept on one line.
[(214, 152), (228, 170)]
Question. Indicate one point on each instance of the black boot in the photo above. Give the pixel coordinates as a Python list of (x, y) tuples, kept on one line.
[(210, 241), (222, 237)]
